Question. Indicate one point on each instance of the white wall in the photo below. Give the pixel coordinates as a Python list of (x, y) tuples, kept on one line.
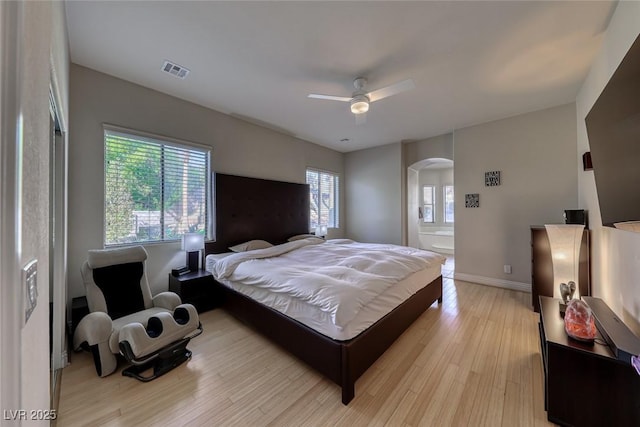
[(535, 153), (615, 267), (413, 203), (374, 200), (35, 195), (40, 38), (239, 148)]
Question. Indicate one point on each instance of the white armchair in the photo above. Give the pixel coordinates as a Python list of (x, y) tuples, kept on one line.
[(125, 319)]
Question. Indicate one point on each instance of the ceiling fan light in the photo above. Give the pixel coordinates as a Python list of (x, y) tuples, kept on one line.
[(359, 104)]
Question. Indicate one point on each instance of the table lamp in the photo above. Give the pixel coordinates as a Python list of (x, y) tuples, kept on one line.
[(565, 240), (192, 243), (321, 231)]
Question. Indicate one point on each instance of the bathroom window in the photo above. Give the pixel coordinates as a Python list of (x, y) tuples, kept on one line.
[(428, 202), (448, 203)]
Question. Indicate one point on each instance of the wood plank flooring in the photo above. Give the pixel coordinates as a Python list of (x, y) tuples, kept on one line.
[(474, 360)]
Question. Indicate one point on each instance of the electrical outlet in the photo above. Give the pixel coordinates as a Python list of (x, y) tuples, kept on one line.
[(507, 269), (30, 286)]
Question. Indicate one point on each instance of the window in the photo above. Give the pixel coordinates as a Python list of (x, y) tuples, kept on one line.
[(155, 190), (448, 203), (428, 201), (323, 187)]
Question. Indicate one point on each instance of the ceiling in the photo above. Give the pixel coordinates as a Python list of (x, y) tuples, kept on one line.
[(471, 61)]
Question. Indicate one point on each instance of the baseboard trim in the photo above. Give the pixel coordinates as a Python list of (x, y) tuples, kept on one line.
[(498, 283), (55, 393)]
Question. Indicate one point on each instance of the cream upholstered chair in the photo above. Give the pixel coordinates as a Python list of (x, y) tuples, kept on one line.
[(150, 332)]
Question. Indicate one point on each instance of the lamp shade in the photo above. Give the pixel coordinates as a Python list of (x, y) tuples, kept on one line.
[(192, 242), (565, 240), (628, 226), (321, 230)]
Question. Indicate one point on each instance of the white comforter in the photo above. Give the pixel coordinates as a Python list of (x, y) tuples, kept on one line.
[(338, 277)]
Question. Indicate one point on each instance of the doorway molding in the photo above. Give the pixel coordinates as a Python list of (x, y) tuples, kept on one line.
[(412, 199)]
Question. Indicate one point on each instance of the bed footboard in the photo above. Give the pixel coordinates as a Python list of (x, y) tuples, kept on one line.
[(362, 351), (343, 362), (317, 350)]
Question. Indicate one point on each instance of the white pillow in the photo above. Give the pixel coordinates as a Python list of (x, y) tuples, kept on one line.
[(341, 241), (301, 236), (251, 245)]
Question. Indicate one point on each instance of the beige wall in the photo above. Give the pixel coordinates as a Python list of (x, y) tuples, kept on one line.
[(60, 61), (374, 201), (615, 267), (239, 148), (535, 153), (437, 147), (414, 155)]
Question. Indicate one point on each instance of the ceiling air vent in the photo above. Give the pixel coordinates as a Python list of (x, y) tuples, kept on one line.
[(175, 69)]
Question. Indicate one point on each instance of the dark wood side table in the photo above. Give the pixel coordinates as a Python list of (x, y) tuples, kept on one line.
[(196, 288), (585, 385)]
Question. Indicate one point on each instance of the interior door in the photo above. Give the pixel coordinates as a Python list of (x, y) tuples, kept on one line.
[(57, 247)]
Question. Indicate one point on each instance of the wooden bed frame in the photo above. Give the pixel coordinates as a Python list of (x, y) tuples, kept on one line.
[(250, 208)]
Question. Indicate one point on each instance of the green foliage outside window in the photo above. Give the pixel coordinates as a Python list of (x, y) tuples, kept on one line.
[(154, 190)]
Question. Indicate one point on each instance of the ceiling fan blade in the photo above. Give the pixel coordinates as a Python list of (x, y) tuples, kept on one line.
[(361, 118), (329, 97), (391, 90)]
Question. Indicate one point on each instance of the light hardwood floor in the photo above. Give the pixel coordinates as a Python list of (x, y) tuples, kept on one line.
[(474, 360)]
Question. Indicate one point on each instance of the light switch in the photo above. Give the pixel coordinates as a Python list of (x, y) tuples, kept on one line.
[(30, 286)]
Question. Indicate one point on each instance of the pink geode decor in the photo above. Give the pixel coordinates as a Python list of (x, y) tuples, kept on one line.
[(579, 322)]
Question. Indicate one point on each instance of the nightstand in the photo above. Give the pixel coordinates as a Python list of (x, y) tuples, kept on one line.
[(584, 384), (195, 288)]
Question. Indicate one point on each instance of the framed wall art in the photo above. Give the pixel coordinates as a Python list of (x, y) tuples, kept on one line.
[(472, 200), (492, 179)]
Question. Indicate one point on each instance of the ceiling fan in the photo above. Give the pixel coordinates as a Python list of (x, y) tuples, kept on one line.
[(360, 99)]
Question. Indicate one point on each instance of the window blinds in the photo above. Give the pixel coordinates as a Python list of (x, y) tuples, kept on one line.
[(155, 190), (324, 196)]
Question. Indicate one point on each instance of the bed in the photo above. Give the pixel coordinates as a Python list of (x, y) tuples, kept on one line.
[(249, 208)]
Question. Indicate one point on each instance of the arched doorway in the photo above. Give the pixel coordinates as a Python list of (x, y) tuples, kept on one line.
[(430, 209)]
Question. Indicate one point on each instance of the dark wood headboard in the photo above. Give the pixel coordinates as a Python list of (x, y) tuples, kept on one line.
[(251, 208)]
